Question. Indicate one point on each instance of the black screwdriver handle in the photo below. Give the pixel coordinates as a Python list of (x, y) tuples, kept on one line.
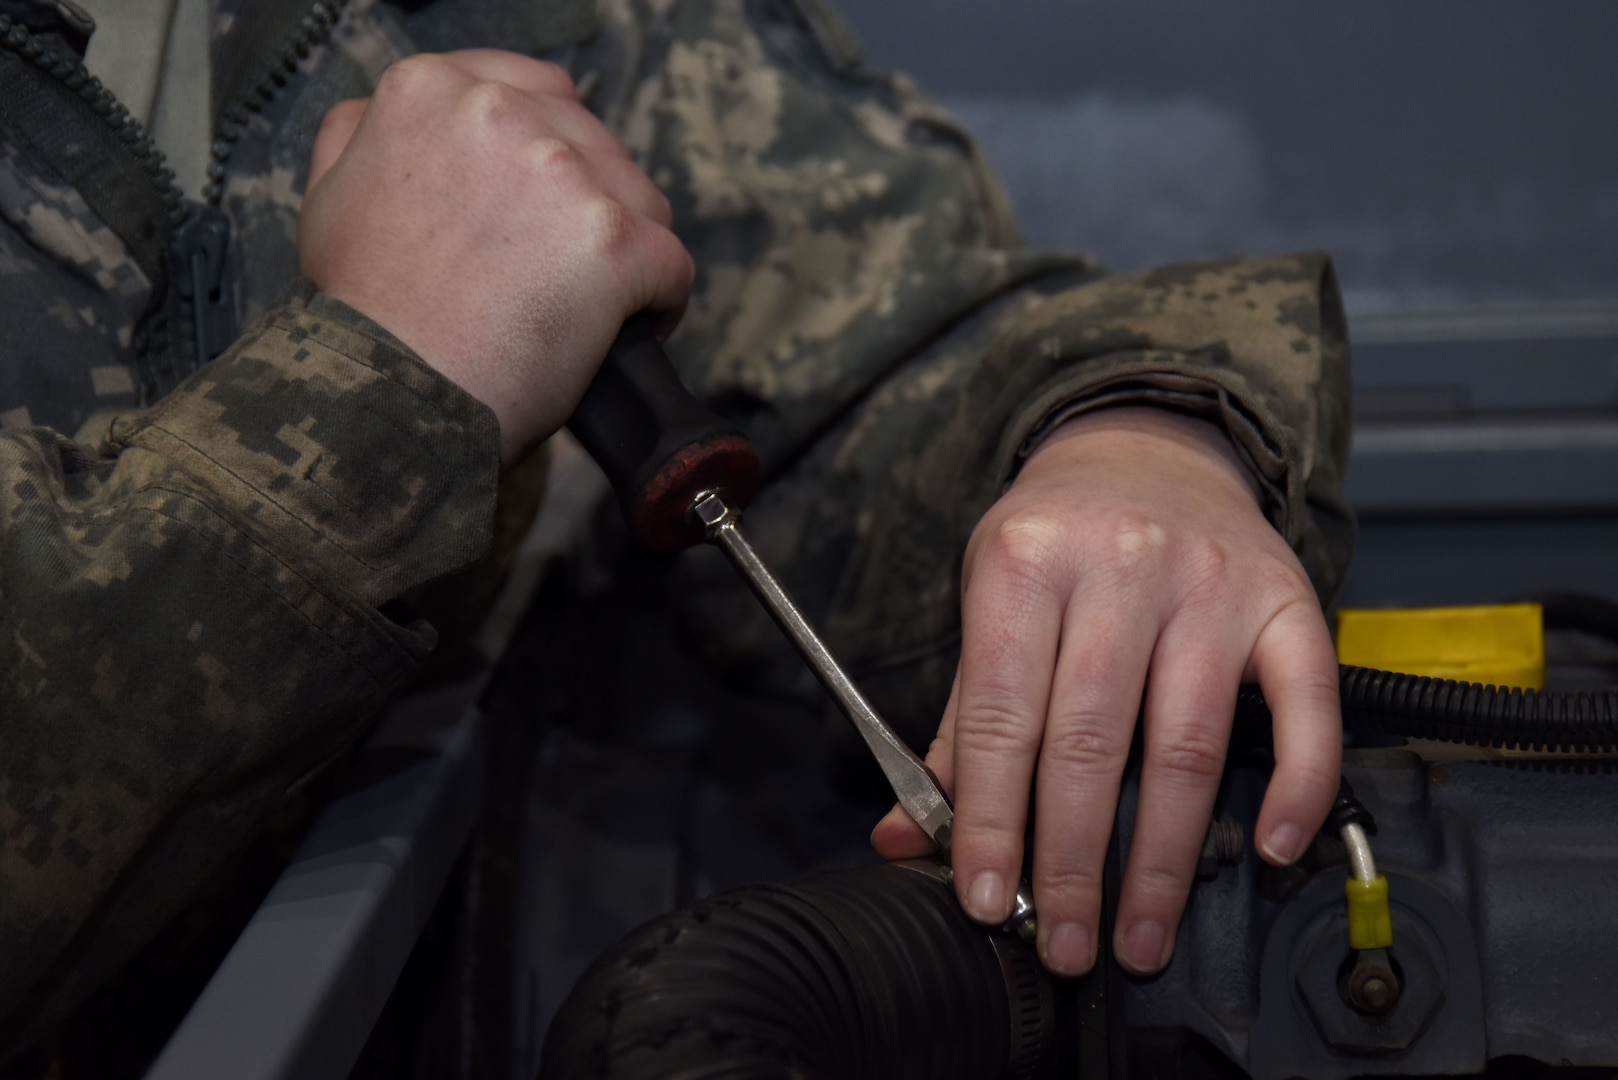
[(659, 446)]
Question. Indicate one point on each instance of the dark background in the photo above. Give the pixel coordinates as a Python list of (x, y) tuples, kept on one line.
[(1450, 154)]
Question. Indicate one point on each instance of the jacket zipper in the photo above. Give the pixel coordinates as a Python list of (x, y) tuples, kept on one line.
[(201, 266), (313, 30), (71, 73)]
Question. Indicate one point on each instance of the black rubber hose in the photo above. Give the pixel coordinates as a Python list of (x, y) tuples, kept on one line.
[(861, 973), (1417, 707)]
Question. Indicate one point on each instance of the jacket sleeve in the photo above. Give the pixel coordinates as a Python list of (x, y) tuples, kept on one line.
[(865, 307), (1254, 346), (192, 616)]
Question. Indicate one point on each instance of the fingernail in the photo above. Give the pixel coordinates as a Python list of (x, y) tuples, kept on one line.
[(1142, 948), (1284, 845), (986, 899), (1068, 950)]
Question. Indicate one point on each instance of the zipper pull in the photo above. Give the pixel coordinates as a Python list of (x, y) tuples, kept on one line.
[(203, 271)]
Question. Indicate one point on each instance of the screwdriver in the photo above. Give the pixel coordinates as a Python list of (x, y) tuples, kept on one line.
[(682, 476)]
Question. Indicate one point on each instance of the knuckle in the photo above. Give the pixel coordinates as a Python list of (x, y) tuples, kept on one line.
[(985, 838), (1194, 754), (1096, 665), (552, 158), (1081, 743), (1208, 571), (555, 78), (1068, 886), (1317, 777), (412, 75), (685, 269), (1117, 549), (663, 210), (610, 226), (992, 727), (494, 106), (1285, 584), (1130, 546), (1208, 669), (1318, 686), (1297, 631), (1024, 538), (344, 112), (1135, 533), (1155, 880), (1021, 546)]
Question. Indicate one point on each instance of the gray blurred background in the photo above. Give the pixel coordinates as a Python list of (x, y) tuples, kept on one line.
[(1459, 158), (1450, 154)]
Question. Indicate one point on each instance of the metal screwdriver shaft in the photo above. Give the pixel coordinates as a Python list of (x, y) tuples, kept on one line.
[(913, 782), (917, 789), (682, 475)]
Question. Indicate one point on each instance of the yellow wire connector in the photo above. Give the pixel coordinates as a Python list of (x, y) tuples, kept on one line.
[(1370, 924)]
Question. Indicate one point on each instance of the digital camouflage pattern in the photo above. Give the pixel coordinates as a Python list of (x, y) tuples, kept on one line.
[(191, 593), (865, 308), (191, 617), (85, 300)]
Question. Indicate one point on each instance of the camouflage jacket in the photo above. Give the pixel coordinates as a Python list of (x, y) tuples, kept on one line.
[(201, 568)]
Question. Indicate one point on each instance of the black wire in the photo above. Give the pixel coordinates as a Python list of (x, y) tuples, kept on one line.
[(1348, 810), (1418, 707), (1587, 613)]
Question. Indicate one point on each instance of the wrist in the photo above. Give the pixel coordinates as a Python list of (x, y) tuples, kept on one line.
[(1141, 430), (470, 372)]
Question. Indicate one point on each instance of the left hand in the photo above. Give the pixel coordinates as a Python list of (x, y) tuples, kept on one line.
[(1129, 560)]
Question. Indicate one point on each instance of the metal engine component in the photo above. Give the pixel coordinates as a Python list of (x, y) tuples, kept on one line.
[(1505, 935), (1439, 1004), (1225, 845)]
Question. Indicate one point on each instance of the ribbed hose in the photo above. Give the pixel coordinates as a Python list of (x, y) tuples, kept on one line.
[(877, 973), (1416, 707), (863, 973)]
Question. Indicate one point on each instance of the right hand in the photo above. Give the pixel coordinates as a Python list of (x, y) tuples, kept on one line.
[(479, 213), (1129, 572)]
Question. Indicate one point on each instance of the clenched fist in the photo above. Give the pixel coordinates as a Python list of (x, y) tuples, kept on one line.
[(478, 212)]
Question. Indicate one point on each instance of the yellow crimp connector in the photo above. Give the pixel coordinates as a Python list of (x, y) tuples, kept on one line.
[(1370, 924), (1499, 645)]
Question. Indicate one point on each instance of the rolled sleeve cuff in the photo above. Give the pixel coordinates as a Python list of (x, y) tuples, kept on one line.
[(1256, 346)]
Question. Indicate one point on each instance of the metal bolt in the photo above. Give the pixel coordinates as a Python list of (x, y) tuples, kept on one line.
[(1224, 845), (1373, 988), (1375, 994)]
